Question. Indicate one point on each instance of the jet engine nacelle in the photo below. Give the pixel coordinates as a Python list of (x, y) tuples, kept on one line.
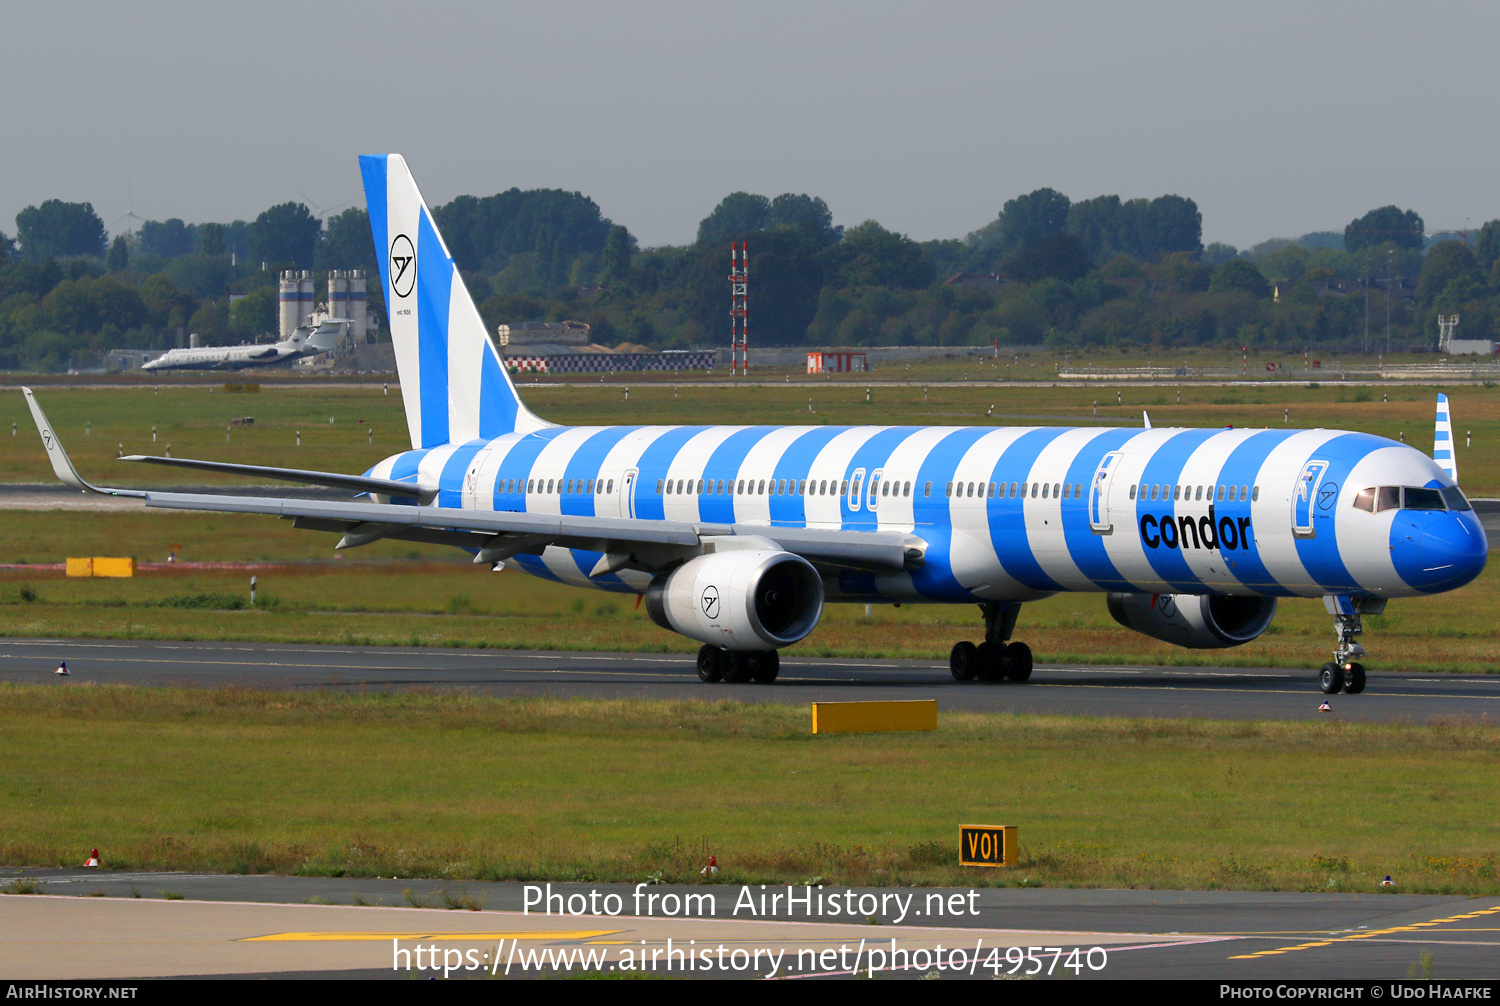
[(1199, 622), (740, 600)]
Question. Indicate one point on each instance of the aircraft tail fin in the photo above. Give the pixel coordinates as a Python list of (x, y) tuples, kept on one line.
[(453, 382), (1443, 449)]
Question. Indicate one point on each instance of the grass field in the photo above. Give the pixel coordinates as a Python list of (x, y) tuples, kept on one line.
[(193, 418), (467, 787)]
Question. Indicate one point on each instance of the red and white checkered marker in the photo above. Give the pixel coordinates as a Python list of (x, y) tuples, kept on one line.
[(1325, 707), (93, 859)]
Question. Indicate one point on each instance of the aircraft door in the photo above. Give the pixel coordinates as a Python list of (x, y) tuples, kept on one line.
[(476, 496), (1099, 517), (626, 490), (1305, 498)]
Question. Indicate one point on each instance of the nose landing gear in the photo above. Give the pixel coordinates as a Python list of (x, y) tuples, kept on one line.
[(995, 659), (1344, 672)]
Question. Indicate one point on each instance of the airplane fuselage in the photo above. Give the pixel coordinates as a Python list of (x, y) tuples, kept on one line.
[(1007, 513)]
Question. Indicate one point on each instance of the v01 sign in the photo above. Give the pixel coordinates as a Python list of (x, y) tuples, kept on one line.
[(987, 845)]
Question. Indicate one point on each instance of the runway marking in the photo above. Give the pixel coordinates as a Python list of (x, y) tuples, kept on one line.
[(577, 934), (1414, 927)]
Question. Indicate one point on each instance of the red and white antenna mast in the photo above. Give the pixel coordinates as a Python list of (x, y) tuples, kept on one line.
[(739, 308)]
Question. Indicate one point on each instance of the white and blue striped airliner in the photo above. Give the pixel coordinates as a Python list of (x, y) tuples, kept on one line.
[(738, 535)]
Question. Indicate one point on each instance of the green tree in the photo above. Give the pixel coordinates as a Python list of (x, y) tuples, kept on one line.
[(254, 314), (166, 305), (483, 234), (618, 249), (285, 234), (1388, 223), (1027, 219), (211, 323), (57, 229), (870, 255), (810, 213), (168, 238), (1446, 262), (1054, 256), (7, 249), (1239, 276), (347, 243), (1486, 248), (1218, 254), (211, 239), (737, 213), (786, 275), (119, 255)]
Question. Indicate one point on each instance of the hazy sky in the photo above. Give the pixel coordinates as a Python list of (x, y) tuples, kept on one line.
[(1278, 118)]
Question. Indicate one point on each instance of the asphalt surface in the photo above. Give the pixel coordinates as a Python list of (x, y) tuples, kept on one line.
[(1217, 692), (1247, 936)]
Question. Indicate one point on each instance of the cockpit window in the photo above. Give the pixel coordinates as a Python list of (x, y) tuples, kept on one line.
[(1423, 499), (1388, 498), (1454, 497), (1365, 500)]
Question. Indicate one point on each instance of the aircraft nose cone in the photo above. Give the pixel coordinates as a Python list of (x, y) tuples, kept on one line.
[(1451, 552)]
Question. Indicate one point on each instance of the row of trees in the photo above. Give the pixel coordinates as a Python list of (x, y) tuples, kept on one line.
[(1102, 271)]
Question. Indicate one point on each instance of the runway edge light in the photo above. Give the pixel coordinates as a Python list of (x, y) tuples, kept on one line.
[(987, 845)]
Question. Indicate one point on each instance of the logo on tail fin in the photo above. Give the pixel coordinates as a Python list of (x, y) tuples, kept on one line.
[(403, 270)]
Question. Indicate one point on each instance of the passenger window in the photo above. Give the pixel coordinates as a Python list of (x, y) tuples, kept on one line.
[(1454, 497), (1387, 498), (949, 490), (1423, 499), (1033, 490), (1365, 500), (907, 491), (610, 487), (927, 490), (1056, 487), (1045, 487), (1220, 494), (1132, 492), (1023, 490), (1255, 495)]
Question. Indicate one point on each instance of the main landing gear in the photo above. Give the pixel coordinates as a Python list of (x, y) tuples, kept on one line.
[(995, 659), (1344, 672), (737, 666)]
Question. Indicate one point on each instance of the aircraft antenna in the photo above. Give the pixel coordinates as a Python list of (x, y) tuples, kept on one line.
[(739, 308)]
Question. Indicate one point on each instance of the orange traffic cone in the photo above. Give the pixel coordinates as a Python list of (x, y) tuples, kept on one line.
[(93, 859), (62, 668)]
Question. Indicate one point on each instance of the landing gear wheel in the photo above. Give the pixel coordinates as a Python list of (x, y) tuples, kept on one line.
[(1331, 678), (1354, 677), (963, 661), (738, 667), (766, 667), (1019, 655), (710, 663), (989, 658)]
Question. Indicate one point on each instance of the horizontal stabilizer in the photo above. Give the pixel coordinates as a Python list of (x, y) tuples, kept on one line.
[(334, 480)]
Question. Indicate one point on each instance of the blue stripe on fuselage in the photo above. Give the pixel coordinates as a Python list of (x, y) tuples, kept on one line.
[(1007, 517), (1165, 468), (796, 461), (434, 293), (1085, 547)]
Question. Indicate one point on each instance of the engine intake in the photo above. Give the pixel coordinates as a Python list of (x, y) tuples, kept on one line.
[(1196, 621), (740, 600)]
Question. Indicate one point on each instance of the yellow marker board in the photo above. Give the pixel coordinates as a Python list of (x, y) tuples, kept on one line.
[(868, 717), (987, 845), (101, 565)]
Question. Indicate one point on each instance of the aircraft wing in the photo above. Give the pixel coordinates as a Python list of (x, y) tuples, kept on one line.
[(626, 542), (653, 542)]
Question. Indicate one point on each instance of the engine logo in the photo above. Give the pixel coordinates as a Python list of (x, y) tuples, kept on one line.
[(710, 602)]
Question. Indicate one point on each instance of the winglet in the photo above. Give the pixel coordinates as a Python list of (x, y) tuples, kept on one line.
[(62, 465), (1443, 451), (1147, 417)]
